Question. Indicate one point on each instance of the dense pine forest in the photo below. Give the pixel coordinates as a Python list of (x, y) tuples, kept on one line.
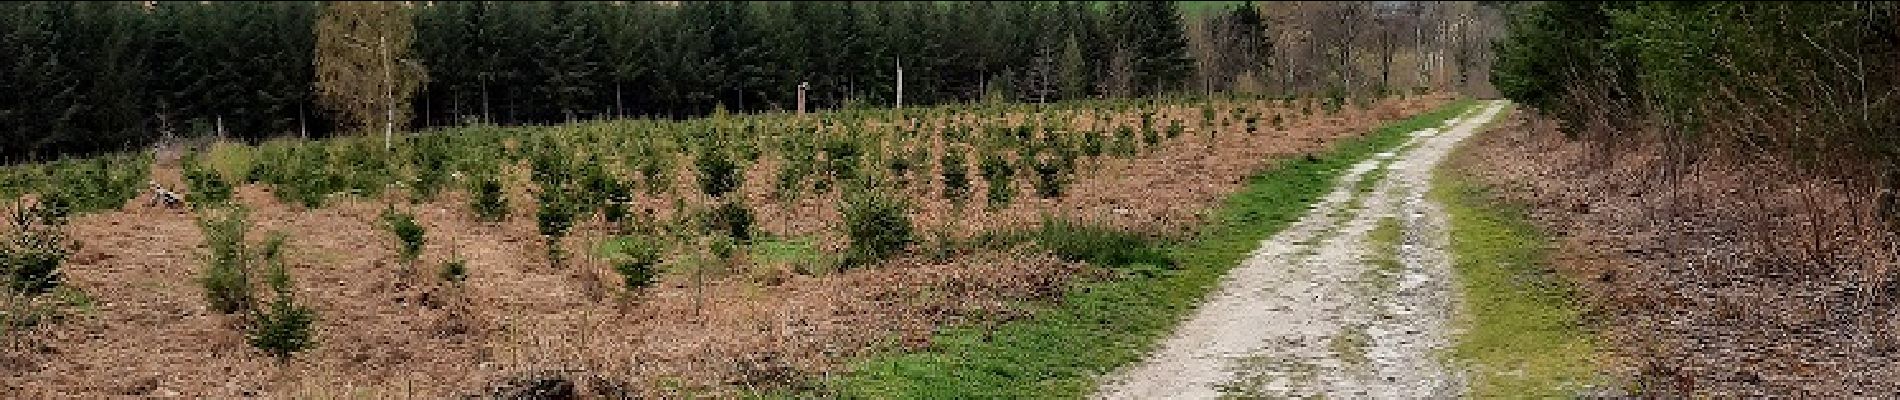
[(92, 76)]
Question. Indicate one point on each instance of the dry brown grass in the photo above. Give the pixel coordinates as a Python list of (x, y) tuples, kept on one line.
[(1727, 277), (384, 334)]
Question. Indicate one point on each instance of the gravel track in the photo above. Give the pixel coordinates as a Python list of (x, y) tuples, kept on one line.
[(1320, 310)]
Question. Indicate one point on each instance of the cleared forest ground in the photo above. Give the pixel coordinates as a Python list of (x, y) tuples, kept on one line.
[(777, 316)]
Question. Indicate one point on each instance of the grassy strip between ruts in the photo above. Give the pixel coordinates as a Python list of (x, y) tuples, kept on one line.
[(1520, 335), (1100, 326)]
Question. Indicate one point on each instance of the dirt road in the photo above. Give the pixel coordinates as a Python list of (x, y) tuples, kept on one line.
[(1354, 300)]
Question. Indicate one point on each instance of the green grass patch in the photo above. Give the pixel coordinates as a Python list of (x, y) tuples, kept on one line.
[(1384, 241), (1522, 335), (1256, 372), (1100, 326), (232, 160), (1099, 245), (1368, 182), (1351, 343), (801, 254)]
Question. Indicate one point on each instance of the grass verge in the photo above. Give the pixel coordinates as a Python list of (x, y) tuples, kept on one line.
[(1521, 336), (1100, 326)]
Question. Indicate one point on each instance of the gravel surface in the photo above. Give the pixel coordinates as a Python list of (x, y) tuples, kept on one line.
[(1320, 310)]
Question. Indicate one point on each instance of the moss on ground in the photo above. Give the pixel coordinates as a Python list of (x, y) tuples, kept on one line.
[(1522, 336)]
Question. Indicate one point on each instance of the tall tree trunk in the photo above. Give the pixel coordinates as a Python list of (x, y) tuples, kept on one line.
[(1385, 61)]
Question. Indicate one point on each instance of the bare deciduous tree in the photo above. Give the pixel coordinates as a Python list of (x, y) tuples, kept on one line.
[(1362, 46), (364, 69)]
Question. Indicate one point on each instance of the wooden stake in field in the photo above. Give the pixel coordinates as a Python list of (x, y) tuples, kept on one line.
[(801, 96), (900, 83)]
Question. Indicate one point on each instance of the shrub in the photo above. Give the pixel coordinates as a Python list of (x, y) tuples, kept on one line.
[(82, 185), (553, 218), (15, 181), (1175, 129), (227, 277), (718, 174), (655, 169), (997, 172), (1049, 178), (596, 187), (284, 328), (1066, 157), (303, 176), (733, 219), (1023, 133), (956, 174), (207, 186), (918, 159), (899, 167), (365, 165), (878, 225), (232, 160), (619, 197), (409, 234), (1092, 144), (429, 161), (32, 311), (841, 159), (636, 261), (114, 180), (1124, 141), (55, 207), (270, 160), (799, 160), (32, 252), (956, 133), (489, 203), (549, 165), (455, 270)]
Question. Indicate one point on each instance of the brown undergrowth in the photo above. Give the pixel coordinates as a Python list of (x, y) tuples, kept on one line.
[(1724, 277), (517, 323)]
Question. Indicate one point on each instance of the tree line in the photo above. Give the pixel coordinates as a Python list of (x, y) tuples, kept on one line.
[(1807, 83), (80, 77), (101, 76), (1362, 46), (88, 77)]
